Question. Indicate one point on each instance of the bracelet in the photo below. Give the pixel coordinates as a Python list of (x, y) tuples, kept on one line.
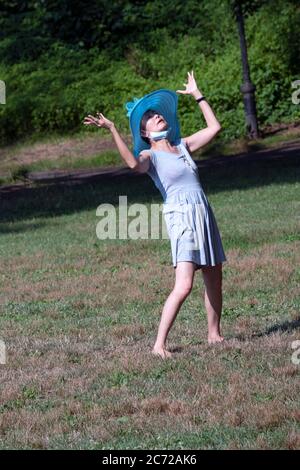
[(200, 99)]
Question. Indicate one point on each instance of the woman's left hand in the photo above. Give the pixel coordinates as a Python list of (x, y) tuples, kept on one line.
[(191, 86)]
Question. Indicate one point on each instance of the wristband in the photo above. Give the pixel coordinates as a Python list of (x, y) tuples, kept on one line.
[(200, 99)]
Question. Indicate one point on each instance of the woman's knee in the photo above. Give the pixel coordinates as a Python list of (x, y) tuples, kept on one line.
[(184, 279), (184, 288)]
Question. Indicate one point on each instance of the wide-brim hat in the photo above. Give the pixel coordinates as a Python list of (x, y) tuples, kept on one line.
[(162, 101)]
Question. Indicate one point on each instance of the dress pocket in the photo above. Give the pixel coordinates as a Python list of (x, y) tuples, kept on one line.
[(175, 217)]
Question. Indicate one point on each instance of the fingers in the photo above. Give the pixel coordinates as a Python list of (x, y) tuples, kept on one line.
[(181, 91), (93, 117), (94, 121), (88, 120), (99, 121)]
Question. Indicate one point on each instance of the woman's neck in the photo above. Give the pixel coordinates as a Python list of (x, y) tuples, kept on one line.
[(162, 145)]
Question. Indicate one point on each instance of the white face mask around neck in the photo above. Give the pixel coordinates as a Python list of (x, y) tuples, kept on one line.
[(160, 134)]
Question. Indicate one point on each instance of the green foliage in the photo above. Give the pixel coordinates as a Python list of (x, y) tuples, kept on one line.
[(58, 75), (245, 6), (273, 61)]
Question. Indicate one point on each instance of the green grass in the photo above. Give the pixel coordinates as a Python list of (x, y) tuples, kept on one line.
[(107, 158), (79, 316)]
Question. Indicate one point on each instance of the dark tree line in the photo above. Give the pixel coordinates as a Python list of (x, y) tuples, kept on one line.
[(28, 27)]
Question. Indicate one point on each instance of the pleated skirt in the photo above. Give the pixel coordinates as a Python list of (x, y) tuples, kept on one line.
[(192, 228)]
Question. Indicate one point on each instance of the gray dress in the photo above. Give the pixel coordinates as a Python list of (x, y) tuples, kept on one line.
[(190, 222)]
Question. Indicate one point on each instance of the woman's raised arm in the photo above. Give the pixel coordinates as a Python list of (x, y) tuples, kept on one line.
[(203, 136)]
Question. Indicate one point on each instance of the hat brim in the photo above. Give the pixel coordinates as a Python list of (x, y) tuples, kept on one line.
[(163, 101)]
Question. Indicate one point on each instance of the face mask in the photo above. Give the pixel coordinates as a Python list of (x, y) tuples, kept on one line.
[(160, 135)]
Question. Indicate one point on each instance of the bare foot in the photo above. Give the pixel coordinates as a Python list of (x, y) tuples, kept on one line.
[(162, 352), (216, 338)]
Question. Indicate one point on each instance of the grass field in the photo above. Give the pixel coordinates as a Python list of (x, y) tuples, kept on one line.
[(79, 316)]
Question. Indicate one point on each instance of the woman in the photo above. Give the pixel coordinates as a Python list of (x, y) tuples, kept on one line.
[(160, 152)]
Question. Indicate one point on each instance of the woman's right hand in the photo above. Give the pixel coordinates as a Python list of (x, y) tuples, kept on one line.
[(99, 121)]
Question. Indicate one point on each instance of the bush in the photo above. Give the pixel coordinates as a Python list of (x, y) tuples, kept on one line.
[(53, 92)]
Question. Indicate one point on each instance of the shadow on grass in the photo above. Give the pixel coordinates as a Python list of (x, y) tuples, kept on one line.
[(216, 175), (285, 327)]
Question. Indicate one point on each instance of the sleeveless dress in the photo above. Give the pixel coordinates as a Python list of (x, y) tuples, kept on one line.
[(189, 218)]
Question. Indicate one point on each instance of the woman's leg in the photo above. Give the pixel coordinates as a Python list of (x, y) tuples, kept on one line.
[(212, 276), (183, 285)]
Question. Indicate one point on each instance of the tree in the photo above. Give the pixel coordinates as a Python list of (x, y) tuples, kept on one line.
[(241, 8)]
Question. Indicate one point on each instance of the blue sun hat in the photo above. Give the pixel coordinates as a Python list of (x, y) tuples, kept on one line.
[(162, 101)]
